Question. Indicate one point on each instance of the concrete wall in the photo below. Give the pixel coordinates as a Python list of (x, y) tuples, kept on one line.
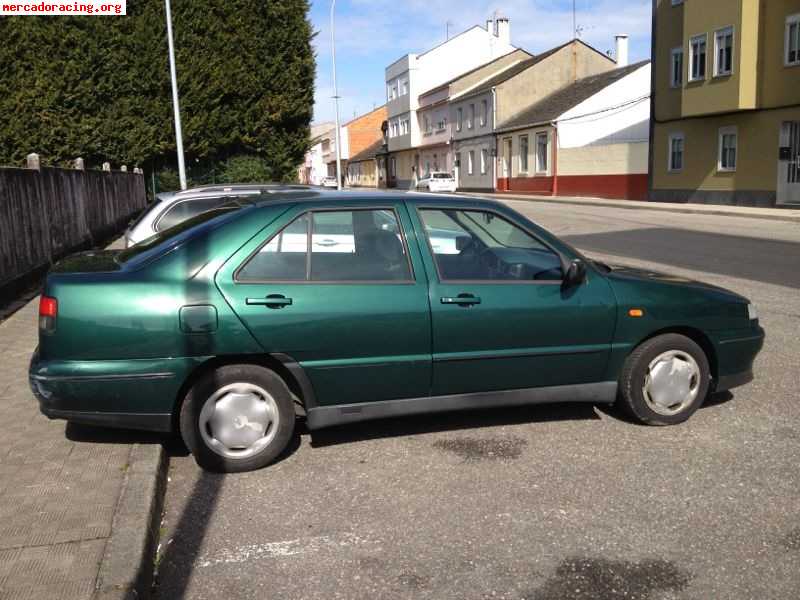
[(570, 63), (477, 180), (47, 213), (363, 173)]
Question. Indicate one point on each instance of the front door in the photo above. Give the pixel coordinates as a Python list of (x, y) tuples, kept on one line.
[(789, 164), (501, 320), (341, 293)]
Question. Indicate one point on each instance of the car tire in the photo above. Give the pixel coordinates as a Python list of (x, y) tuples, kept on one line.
[(664, 380), (237, 418)]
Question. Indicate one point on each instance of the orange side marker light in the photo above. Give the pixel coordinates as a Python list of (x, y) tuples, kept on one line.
[(636, 312)]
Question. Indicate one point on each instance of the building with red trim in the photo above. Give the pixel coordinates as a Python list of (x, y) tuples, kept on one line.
[(590, 138)]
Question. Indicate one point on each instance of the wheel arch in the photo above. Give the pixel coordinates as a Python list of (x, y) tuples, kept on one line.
[(283, 365)]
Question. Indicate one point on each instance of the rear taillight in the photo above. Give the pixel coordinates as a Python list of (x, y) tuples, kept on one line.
[(48, 311)]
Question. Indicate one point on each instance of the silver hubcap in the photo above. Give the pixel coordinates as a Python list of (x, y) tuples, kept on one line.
[(672, 382), (239, 420)]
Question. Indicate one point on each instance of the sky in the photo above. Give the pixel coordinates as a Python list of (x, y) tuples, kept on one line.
[(371, 34)]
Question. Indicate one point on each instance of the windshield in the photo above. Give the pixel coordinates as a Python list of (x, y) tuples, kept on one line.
[(441, 176), (173, 232)]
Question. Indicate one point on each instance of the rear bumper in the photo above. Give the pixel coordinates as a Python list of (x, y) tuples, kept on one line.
[(121, 394)]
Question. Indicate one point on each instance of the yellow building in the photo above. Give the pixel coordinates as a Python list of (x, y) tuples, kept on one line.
[(726, 110)]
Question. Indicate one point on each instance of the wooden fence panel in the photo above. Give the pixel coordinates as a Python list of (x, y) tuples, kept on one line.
[(46, 213)]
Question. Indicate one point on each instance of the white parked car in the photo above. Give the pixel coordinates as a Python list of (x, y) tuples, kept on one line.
[(329, 181), (172, 208), (437, 181)]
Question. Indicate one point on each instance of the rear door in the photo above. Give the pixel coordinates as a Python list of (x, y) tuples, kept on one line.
[(342, 292), (500, 318)]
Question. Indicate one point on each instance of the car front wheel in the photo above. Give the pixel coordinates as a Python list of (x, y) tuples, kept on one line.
[(664, 381), (237, 418)]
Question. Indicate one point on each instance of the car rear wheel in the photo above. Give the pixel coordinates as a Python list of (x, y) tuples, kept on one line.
[(237, 418), (665, 380)]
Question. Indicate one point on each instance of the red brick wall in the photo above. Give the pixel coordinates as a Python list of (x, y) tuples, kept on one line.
[(365, 130)]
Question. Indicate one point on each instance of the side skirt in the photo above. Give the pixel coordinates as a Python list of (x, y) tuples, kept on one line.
[(327, 416)]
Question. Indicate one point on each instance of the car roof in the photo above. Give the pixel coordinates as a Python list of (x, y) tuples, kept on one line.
[(366, 196)]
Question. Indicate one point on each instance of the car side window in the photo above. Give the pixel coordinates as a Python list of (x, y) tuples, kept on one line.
[(474, 245), (346, 246), (186, 209)]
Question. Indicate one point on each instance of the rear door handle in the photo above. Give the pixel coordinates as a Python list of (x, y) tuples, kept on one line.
[(462, 300), (272, 301)]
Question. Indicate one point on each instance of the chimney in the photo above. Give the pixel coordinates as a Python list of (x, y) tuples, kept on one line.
[(622, 49), (503, 30), (490, 26)]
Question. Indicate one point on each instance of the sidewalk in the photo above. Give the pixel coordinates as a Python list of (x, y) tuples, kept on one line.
[(778, 214), (60, 489)]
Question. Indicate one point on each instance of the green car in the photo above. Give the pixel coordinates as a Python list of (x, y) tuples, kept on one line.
[(346, 306)]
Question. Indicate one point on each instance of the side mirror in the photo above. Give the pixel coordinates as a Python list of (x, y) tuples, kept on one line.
[(575, 274)]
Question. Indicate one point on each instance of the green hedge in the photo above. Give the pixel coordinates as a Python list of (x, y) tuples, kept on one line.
[(98, 87)]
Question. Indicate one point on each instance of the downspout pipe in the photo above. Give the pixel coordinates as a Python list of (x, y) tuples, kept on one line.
[(555, 157), (495, 138)]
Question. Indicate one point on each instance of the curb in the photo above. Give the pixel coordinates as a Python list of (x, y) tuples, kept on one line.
[(658, 206), (126, 570)]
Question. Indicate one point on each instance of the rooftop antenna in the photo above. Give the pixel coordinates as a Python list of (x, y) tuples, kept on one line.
[(447, 25), (574, 21)]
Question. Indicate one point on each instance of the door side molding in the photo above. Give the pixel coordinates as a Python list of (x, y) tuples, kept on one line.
[(320, 417)]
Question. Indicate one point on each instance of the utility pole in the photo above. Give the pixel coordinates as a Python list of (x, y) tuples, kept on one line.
[(336, 100), (175, 103)]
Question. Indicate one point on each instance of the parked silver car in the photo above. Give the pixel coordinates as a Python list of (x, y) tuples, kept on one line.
[(172, 208)]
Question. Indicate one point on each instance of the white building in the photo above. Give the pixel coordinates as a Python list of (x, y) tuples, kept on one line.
[(314, 167), (601, 128), (415, 74)]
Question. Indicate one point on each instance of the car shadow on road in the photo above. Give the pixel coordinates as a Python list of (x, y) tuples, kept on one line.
[(613, 411), (441, 422)]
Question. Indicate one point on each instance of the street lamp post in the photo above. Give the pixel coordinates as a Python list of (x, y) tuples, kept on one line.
[(336, 100), (175, 103)]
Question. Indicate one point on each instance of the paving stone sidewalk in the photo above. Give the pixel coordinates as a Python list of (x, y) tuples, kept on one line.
[(59, 484)]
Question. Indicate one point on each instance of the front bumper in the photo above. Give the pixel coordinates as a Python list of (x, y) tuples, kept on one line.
[(736, 352), (122, 394)]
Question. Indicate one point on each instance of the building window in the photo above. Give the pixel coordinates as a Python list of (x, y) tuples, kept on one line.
[(484, 112), (393, 167), (542, 152), (404, 87), (675, 160), (677, 2), (458, 160), (792, 43), (459, 119), (470, 161), (523, 154), (728, 143), (697, 58), (427, 124), (723, 52), (676, 73), (484, 160), (471, 118)]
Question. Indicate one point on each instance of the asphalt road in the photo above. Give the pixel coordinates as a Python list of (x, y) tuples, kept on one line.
[(550, 502)]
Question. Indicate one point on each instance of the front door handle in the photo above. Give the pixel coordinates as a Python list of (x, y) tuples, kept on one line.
[(462, 300), (272, 301)]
